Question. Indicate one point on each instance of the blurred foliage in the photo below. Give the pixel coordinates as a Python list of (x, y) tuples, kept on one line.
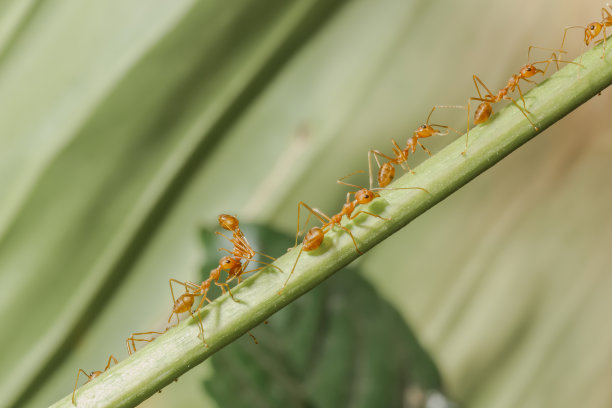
[(338, 345), (125, 125)]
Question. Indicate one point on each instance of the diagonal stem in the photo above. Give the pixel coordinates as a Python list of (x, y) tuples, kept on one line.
[(172, 354)]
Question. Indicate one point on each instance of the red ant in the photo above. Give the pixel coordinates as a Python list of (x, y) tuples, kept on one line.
[(186, 300), (314, 237), (92, 375), (592, 30), (484, 110), (242, 249), (386, 172)]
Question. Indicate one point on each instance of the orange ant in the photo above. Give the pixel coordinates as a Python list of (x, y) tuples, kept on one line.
[(92, 375), (184, 302), (242, 249), (386, 172), (314, 237), (592, 30), (484, 110)]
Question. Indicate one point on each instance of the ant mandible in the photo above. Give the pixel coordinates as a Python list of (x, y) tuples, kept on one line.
[(92, 375), (386, 171), (592, 30), (315, 236)]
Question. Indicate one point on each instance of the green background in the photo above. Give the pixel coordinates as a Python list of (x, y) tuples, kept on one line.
[(125, 126)]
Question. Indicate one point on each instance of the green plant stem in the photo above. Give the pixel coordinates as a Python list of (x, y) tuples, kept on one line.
[(150, 369)]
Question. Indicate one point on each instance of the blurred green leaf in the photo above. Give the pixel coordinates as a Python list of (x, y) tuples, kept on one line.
[(128, 103), (338, 345), (505, 283)]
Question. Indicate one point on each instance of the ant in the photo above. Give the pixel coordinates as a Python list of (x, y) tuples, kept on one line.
[(242, 249), (592, 30), (92, 375), (386, 172), (484, 110), (315, 236), (184, 302)]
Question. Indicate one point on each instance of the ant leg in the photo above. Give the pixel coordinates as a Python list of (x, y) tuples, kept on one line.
[(561, 51), (201, 326), (177, 317), (522, 98), (268, 264), (133, 340), (77, 381), (522, 111), (186, 285), (224, 236), (480, 98), (111, 358), (475, 78), (312, 211), (204, 298), (352, 237), (470, 99), (467, 133), (226, 250), (447, 129), (565, 33), (403, 188), (370, 153), (224, 287), (424, 148), (339, 181), (603, 56), (402, 157), (368, 213), (292, 270), (267, 256), (444, 106), (553, 58)]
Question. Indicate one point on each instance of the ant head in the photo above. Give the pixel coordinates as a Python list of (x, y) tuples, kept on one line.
[(227, 262), (424, 131), (228, 222), (364, 196), (592, 30), (529, 70)]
